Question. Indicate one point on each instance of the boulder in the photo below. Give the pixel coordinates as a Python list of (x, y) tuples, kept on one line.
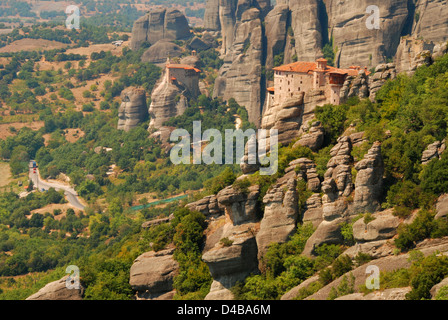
[(152, 273), (328, 232), (133, 109), (57, 290), (199, 44), (314, 139), (384, 226), (375, 249)]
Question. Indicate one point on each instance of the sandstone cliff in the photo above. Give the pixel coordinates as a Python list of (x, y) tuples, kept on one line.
[(168, 99), (241, 75), (159, 24), (133, 109)]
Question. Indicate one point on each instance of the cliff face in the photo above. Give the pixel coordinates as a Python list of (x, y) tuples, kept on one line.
[(241, 75), (133, 109), (431, 20), (358, 45), (167, 100), (159, 24), (298, 30)]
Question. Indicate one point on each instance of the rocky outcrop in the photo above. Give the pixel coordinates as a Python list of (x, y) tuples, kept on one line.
[(413, 53), (235, 258), (314, 138), (169, 24), (355, 86), (436, 288), (383, 72), (133, 109), (162, 49), (369, 181), (431, 22), (336, 185), (207, 206), (280, 216), (385, 264), (199, 44), (240, 206), (233, 261), (442, 207), (433, 151), (152, 275), (286, 118), (277, 22), (306, 170), (357, 44), (240, 75), (384, 226), (313, 210), (57, 290), (169, 99), (155, 222), (387, 294)]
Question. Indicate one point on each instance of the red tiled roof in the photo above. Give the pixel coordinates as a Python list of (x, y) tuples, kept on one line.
[(307, 67), (182, 66), (271, 89)]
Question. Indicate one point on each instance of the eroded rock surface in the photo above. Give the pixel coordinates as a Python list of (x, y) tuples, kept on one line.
[(133, 109), (152, 274)]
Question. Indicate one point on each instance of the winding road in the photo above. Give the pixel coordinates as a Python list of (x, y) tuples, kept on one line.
[(70, 193)]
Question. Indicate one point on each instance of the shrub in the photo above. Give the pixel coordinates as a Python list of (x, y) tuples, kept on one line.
[(226, 242)]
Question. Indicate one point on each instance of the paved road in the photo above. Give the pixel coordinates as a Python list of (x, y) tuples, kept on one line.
[(70, 193)]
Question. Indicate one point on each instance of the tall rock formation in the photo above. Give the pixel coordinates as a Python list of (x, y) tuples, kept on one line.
[(234, 259), (280, 215), (241, 75), (133, 109), (431, 20), (158, 24), (168, 100), (307, 29), (369, 181), (357, 44)]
